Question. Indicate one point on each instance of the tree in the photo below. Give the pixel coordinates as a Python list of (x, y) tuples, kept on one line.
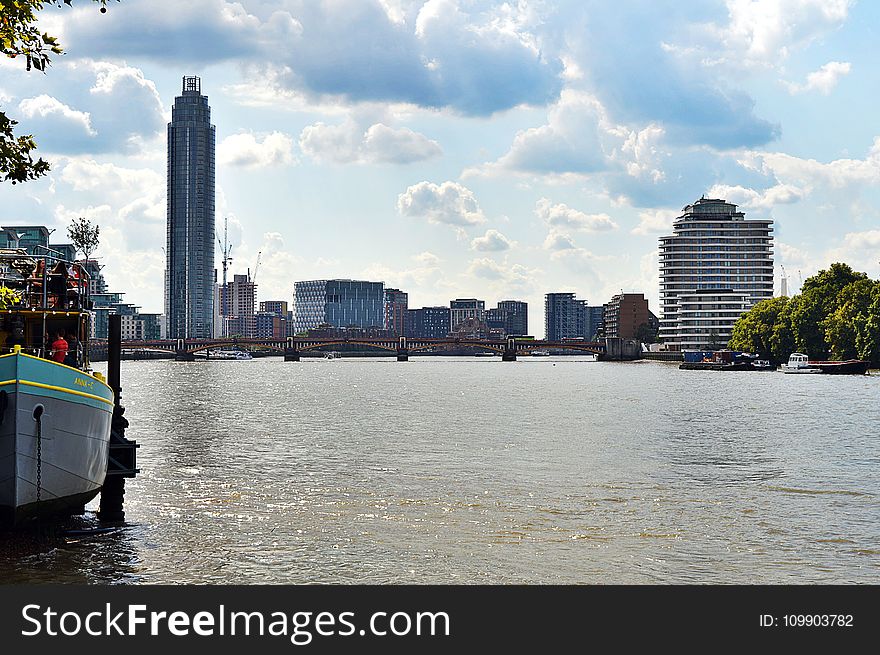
[(754, 331), (851, 329), (837, 314), (647, 334), (84, 236), (20, 37), (819, 299)]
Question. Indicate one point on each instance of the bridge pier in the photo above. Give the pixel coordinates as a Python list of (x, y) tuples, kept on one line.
[(402, 350), (509, 354), (291, 354)]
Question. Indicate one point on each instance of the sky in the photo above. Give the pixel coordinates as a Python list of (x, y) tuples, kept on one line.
[(461, 148)]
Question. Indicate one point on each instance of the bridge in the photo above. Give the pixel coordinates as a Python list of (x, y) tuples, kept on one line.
[(402, 347)]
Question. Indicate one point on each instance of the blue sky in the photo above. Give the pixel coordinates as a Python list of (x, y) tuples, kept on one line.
[(458, 148)]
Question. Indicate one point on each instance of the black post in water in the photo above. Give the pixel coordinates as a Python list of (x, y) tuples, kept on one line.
[(122, 455)]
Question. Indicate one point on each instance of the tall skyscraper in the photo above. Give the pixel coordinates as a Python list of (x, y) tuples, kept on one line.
[(189, 267), (714, 267)]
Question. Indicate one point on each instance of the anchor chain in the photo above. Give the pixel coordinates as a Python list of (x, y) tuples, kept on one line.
[(39, 419)]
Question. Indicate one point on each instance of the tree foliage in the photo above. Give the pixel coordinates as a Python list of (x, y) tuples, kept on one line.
[(836, 315), (20, 37), (756, 331), (84, 236)]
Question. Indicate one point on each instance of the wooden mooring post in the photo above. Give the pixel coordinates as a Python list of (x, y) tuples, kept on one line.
[(122, 456)]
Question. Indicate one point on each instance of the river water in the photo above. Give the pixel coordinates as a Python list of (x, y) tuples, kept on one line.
[(470, 470)]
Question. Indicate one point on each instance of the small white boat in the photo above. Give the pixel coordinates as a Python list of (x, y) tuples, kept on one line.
[(229, 355), (540, 353), (799, 363), (332, 355)]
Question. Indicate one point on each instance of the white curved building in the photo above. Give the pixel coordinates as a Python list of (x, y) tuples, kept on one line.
[(714, 267)]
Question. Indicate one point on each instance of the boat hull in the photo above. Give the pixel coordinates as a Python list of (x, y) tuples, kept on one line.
[(851, 367), (53, 464)]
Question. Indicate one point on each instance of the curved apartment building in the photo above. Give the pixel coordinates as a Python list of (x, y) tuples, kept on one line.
[(714, 267)]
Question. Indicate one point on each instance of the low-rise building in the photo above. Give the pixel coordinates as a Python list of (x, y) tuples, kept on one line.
[(625, 314)]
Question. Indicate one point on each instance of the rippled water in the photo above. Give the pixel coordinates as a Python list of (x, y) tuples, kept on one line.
[(555, 470)]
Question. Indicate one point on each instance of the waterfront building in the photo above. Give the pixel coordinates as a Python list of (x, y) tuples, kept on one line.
[(561, 312), (35, 240), (472, 328), (591, 321), (239, 302), (428, 323), (96, 277), (625, 314), (278, 307), (153, 326), (189, 268), (269, 325), (714, 266), (338, 303), (511, 316), (396, 305), (462, 308)]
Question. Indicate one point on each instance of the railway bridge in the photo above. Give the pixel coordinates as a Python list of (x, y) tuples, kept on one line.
[(293, 347)]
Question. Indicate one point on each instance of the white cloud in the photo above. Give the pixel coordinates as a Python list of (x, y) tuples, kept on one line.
[(448, 203), (761, 31), (44, 106), (350, 143), (245, 149), (492, 241), (570, 141), (504, 277), (655, 221), (557, 241), (563, 216), (867, 240), (809, 174), (764, 201), (823, 80), (400, 146)]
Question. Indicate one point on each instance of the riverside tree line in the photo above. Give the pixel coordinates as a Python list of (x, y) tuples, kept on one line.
[(836, 316)]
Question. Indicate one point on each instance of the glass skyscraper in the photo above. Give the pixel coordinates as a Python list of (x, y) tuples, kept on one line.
[(189, 267)]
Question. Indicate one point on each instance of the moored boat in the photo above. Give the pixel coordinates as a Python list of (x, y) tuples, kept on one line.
[(800, 364), (849, 367), (54, 413)]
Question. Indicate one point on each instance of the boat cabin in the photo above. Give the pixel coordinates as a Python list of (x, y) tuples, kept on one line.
[(43, 297)]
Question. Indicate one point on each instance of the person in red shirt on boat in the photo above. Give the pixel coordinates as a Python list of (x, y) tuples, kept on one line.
[(59, 348)]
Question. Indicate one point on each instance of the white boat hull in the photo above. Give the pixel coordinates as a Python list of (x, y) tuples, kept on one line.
[(55, 463)]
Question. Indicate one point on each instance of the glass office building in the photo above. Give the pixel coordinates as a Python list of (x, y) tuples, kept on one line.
[(339, 303), (189, 268)]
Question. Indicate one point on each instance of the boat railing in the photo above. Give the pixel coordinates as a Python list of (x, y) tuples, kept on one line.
[(45, 281)]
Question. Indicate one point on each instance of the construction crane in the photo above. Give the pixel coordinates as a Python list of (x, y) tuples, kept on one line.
[(257, 267), (226, 249)]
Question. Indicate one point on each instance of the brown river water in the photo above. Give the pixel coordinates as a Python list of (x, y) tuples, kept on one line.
[(473, 470)]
